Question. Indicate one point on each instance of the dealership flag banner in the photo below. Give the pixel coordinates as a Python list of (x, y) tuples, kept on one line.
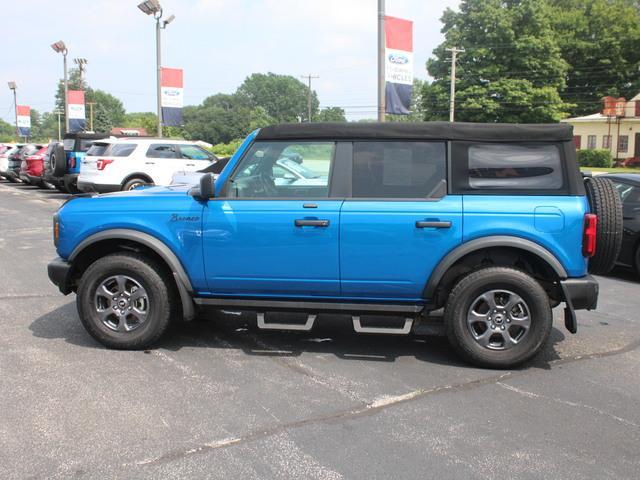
[(398, 65), (24, 120), (172, 96), (77, 118)]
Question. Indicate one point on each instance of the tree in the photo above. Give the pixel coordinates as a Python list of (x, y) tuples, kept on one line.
[(599, 39), (7, 131), (102, 120), (113, 111), (331, 114), (283, 97), (512, 69), (223, 117), (146, 120)]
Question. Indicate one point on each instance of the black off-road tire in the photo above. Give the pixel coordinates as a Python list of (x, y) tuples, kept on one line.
[(606, 204), (469, 288), (132, 183), (163, 305), (636, 263), (71, 186), (58, 160)]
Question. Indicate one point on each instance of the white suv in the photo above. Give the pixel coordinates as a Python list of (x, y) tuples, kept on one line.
[(111, 165)]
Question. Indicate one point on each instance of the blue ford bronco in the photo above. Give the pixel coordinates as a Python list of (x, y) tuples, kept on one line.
[(473, 230)]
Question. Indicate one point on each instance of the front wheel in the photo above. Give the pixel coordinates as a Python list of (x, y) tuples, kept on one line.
[(126, 301), (498, 317)]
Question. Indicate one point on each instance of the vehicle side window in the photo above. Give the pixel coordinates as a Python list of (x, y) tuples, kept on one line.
[(288, 169), (162, 150), (68, 144), (193, 152), (397, 169), (508, 168), (629, 194), (121, 149), (97, 149)]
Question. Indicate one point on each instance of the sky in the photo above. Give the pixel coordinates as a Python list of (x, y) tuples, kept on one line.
[(218, 43)]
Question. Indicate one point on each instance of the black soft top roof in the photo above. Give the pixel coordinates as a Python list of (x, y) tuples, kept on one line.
[(490, 132), (86, 136)]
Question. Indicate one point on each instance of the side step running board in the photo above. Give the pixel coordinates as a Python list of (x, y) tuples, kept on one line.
[(308, 325), (408, 323)]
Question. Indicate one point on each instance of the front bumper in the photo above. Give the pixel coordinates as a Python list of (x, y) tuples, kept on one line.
[(91, 187), (59, 271)]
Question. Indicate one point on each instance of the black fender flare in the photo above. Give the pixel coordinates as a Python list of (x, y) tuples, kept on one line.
[(185, 289), (489, 242)]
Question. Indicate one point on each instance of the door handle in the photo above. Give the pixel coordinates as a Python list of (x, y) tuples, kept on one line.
[(191, 164), (433, 224), (150, 163), (311, 223)]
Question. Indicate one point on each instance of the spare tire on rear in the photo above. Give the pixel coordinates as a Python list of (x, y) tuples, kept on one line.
[(606, 204), (58, 161)]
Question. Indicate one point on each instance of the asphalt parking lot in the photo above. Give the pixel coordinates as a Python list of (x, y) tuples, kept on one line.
[(218, 399)]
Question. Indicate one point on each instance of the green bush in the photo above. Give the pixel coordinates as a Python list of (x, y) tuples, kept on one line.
[(595, 158), (225, 149)]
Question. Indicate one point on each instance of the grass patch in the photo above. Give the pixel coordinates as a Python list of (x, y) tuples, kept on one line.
[(611, 169)]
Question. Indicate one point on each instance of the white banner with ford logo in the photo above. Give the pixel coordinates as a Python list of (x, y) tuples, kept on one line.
[(172, 96), (398, 65)]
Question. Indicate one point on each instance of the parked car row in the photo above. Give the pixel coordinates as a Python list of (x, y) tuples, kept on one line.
[(90, 162)]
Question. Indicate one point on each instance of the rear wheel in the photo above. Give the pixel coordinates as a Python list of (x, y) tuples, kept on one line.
[(126, 301), (71, 185), (606, 204), (134, 183), (498, 317)]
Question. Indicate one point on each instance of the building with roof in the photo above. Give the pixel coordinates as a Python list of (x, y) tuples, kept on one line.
[(616, 128)]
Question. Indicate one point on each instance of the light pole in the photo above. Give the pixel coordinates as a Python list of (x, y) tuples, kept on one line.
[(152, 7), (60, 47), (82, 66), (381, 62), (14, 87), (59, 112)]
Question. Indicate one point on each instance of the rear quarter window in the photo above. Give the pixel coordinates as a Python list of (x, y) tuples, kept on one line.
[(97, 149), (517, 168), (121, 149)]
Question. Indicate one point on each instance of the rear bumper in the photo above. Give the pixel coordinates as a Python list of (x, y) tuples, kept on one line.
[(581, 292), (59, 272), (97, 187)]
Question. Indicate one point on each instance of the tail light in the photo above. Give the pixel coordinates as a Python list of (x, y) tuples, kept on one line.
[(103, 162), (589, 235), (72, 161)]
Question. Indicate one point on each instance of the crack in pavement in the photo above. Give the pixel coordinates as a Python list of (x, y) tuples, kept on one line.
[(20, 296), (375, 407), (528, 394)]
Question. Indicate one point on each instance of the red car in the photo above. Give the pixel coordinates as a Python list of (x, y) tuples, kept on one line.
[(32, 168)]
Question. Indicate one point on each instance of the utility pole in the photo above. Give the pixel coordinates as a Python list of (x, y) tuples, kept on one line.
[(14, 87), (59, 113), (381, 74), (452, 105), (60, 47), (91, 104), (309, 94)]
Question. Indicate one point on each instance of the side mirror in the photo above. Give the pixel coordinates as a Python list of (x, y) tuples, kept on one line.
[(206, 190)]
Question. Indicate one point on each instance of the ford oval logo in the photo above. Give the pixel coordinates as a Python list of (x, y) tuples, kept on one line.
[(398, 59)]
